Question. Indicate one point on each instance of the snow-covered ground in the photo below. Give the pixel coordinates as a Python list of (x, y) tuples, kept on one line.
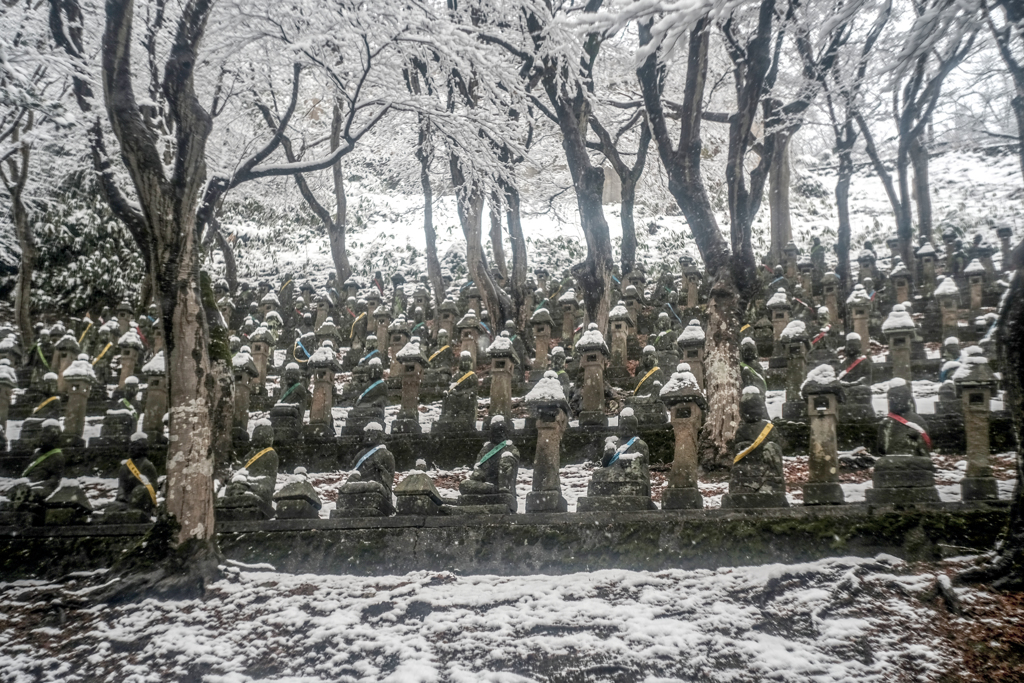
[(841, 619)]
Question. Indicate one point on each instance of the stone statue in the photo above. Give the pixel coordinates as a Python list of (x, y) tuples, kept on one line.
[(27, 499), (902, 430), (757, 479), (623, 482), (458, 405), (856, 379), (371, 400), (367, 492), (751, 372), (136, 499), (248, 496), (493, 480), (48, 407), (665, 342)]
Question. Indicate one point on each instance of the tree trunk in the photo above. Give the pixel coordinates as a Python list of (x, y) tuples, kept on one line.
[(29, 255), (628, 260), (922, 189), (721, 375), (778, 199), (336, 228), (230, 266), (433, 263), (519, 258), (497, 244), (844, 176), (1017, 103), (1006, 572), (595, 273)]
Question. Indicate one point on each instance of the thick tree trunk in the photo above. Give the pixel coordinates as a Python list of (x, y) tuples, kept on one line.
[(595, 273), (628, 260), (721, 375), (336, 228), (230, 266), (497, 243), (1006, 572), (844, 176), (29, 255), (778, 199), (433, 263), (922, 189), (1018, 112), (519, 258)]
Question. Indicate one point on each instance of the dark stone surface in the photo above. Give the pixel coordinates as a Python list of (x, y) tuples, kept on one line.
[(616, 503), (682, 499), (548, 543), (979, 488), (823, 493), (546, 501)]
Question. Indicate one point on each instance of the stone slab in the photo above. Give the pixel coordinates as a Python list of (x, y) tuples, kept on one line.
[(615, 504)]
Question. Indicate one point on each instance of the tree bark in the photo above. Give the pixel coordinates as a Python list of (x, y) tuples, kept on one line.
[(686, 184), (1006, 571), (423, 154), (497, 244), (336, 228), (230, 265), (14, 181), (843, 177), (517, 285), (922, 188), (778, 199)]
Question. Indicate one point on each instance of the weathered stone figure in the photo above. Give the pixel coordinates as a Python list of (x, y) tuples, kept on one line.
[(751, 372), (370, 403), (27, 501), (136, 499), (623, 482), (547, 399), (856, 380), (367, 493), (906, 473), (248, 496), (458, 405), (757, 479), (823, 392), (493, 479)]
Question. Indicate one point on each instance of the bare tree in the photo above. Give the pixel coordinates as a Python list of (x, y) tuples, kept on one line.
[(1009, 37)]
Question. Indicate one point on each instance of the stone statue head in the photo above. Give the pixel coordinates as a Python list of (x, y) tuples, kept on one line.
[(138, 446), (823, 315), (292, 374), (510, 327), (748, 350), (465, 361), (442, 337), (131, 387), (673, 297), (663, 322), (418, 315), (557, 356), (499, 429), (50, 383), (853, 345), (752, 405), (44, 336), (373, 434), (778, 271), (650, 357), (49, 435), (901, 400), (951, 346), (629, 426), (262, 435), (307, 319), (376, 369)]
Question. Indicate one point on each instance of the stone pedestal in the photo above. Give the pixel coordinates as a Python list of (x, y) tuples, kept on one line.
[(542, 340), (976, 283), (860, 313), (417, 495), (397, 339), (592, 407), (129, 357), (408, 419), (320, 416), (950, 315), (780, 315), (619, 323), (569, 309), (1005, 233), (261, 357), (899, 354), (692, 353), (682, 491), (240, 415), (6, 390), (903, 480), (501, 388), (363, 499), (78, 389), (978, 482), (822, 487), (546, 495), (124, 317), (468, 337), (156, 407), (830, 295), (796, 371)]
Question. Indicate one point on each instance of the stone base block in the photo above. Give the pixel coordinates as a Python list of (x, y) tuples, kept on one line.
[(546, 501), (123, 517), (682, 499), (476, 510), (598, 488), (454, 426), (794, 410), (592, 418), (406, 426), (66, 516), (979, 488), (296, 508), (902, 496), (243, 509), (418, 504), (904, 471), (489, 499), (754, 500), (856, 412), (823, 493), (22, 518), (362, 501), (615, 504)]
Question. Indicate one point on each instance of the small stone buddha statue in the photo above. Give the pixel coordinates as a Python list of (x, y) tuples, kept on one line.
[(493, 479), (757, 479), (367, 492), (249, 494)]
